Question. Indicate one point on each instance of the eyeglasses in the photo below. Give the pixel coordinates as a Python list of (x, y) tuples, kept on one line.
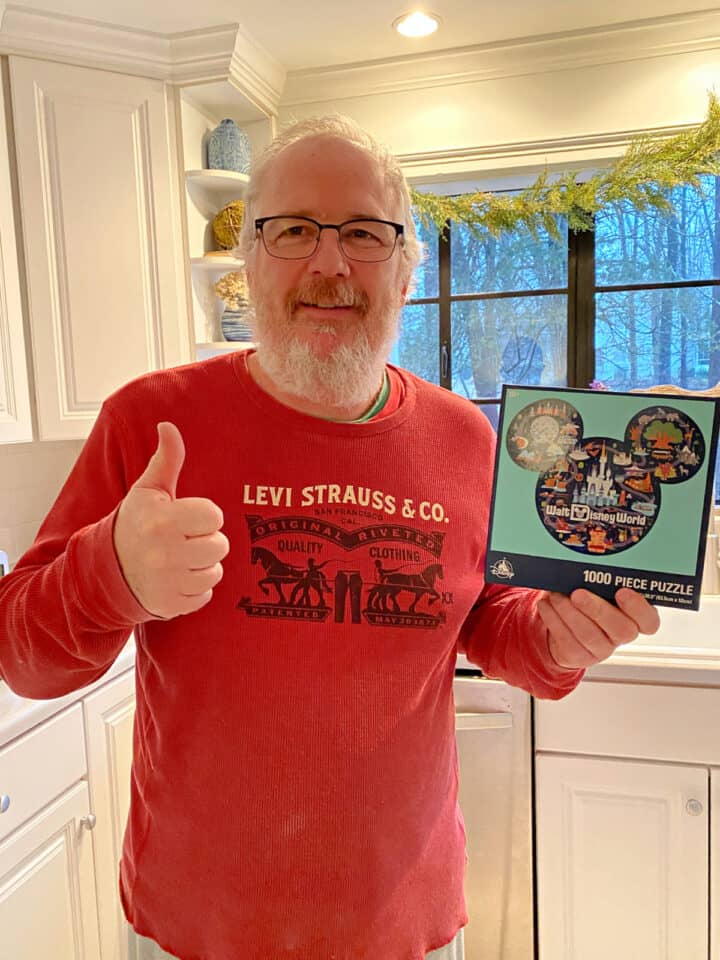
[(297, 238)]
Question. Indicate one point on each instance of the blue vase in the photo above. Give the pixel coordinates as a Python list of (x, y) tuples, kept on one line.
[(235, 325), (229, 148)]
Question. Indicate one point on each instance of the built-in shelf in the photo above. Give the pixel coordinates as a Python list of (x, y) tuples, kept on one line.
[(217, 264), (211, 190), (206, 271)]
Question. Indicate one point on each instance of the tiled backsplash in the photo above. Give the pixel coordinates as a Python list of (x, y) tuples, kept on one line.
[(31, 476)]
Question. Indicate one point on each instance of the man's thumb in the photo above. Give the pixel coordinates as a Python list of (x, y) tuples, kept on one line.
[(164, 466)]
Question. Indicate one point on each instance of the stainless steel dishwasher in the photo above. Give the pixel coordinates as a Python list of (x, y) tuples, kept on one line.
[(493, 732)]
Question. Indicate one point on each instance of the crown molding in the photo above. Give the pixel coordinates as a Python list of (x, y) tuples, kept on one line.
[(259, 76), (220, 53), (633, 40), (49, 36), (201, 56), (526, 154), (228, 53)]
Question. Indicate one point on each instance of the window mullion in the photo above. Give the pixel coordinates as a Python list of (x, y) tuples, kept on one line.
[(444, 308), (581, 308)]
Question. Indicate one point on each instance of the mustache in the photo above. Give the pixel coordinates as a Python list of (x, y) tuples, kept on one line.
[(324, 292)]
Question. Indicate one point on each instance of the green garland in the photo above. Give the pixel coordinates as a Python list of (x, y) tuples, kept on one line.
[(642, 176)]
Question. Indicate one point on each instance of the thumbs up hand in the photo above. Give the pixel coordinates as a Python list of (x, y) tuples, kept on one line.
[(169, 550)]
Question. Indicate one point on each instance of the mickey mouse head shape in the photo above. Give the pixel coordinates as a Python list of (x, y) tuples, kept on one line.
[(601, 495)]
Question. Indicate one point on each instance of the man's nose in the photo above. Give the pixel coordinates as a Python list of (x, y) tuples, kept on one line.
[(328, 259)]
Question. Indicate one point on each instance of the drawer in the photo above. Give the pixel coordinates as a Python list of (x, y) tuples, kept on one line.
[(643, 721), (40, 765)]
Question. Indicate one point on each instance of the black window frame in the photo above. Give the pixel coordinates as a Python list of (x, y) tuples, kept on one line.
[(580, 291)]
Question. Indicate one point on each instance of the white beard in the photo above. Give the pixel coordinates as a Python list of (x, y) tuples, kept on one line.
[(347, 376)]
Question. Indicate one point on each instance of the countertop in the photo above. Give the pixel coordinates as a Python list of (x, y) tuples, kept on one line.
[(18, 714), (686, 650)]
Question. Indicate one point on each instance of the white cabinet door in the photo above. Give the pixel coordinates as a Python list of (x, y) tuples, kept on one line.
[(109, 716), (101, 224), (622, 860), (15, 422), (47, 893)]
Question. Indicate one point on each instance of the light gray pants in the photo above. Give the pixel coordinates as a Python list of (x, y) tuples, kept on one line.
[(143, 949)]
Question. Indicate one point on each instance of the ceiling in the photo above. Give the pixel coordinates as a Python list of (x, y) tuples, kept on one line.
[(340, 31)]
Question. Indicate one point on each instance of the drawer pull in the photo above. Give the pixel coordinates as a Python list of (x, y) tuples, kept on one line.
[(694, 808), (4, 802), (89, 821)]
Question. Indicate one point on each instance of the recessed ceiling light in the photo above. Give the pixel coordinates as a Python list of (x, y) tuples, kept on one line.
[(417, 24)]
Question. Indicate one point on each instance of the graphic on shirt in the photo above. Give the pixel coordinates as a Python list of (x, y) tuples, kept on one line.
[(307, 568), (601, 495)]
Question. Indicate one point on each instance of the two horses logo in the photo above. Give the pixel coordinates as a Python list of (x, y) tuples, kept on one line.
[(305, 580), (396, 595), (383, 595)]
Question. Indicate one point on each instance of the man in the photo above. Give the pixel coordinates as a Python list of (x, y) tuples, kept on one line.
[(294, 785)]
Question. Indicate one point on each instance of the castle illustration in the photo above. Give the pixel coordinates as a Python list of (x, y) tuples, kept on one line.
[(598, 488)]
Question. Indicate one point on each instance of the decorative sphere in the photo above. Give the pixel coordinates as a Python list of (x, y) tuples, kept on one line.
[(226, 225)]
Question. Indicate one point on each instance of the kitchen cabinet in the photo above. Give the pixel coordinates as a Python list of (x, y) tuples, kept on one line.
[(628, 863), (15, 417), (622, 859), (65, 785), (47, 893), (108, 714), (46, 851), (100, 211)]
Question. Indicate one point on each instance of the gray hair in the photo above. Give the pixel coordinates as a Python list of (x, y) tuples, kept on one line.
[(341, 128)]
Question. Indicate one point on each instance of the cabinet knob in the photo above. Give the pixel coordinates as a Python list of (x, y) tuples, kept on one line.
[(4, 802), (694, 808), (89, 821)]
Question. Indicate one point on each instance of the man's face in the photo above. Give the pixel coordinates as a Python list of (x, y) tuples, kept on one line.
[(333, 317)]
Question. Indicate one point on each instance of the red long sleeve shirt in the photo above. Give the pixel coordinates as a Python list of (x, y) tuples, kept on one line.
[(294, 781)]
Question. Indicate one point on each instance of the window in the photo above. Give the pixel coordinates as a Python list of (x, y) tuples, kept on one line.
[(657, 299), (633, 304)]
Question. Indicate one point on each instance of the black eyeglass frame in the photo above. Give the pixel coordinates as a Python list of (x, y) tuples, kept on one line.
[(399, 234)]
